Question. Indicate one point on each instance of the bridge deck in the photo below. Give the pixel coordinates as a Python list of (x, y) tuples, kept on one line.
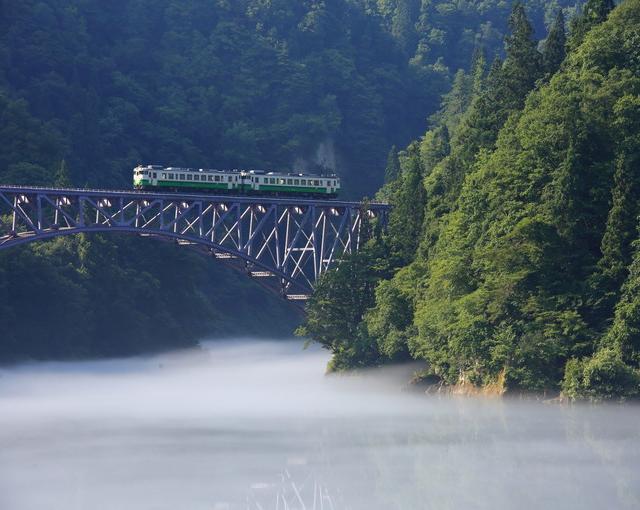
[(252, 199)]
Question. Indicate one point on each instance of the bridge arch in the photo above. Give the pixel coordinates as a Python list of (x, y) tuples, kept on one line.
[(216, 249)]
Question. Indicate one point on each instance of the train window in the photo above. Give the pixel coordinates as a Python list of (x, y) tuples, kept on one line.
[(155, 175), (211, 178), (189, 177), (296, 182), (217, 178), (196, 177), (316, 183), (289, 181), (182, 177), (170, 176), (303, 182), (164, 176)]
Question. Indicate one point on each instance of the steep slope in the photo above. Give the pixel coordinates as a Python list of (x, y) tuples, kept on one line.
[(526, 271)]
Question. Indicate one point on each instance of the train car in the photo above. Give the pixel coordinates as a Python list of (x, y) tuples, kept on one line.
[(240, 182)]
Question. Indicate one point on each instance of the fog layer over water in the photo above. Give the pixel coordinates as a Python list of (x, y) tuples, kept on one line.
[(251, 425)]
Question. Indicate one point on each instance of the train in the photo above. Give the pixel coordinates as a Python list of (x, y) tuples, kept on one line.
[(235, 182)]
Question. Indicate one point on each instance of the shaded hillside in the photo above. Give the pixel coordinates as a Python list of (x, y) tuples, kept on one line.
[(90, 88)]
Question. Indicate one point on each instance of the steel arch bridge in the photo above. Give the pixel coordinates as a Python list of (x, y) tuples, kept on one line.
[(289, 241)]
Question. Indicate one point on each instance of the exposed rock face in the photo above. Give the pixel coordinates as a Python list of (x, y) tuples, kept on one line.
[(324, 159)]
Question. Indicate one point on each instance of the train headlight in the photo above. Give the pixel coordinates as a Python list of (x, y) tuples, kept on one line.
[(261, 208), (298, 210), (104, 203)]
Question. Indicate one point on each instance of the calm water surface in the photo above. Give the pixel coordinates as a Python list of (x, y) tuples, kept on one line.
[(256, 425)]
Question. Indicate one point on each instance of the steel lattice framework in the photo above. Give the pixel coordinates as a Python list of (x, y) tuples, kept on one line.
[(292, 241)]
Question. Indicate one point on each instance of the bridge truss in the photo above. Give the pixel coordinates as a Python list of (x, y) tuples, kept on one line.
[(289, 241)]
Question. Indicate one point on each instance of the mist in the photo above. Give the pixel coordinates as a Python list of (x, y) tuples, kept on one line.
[(245, 424)]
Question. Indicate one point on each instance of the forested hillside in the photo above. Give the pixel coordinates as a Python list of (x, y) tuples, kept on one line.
[(512, 256), (89, 88)]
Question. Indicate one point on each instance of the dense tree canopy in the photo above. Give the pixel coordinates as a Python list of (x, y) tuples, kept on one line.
[(526, 274), (90, 88)]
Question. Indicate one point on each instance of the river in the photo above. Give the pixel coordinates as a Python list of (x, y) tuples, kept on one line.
[(257, 425)]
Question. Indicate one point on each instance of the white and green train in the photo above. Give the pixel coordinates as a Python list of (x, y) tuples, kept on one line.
[(241, 182)]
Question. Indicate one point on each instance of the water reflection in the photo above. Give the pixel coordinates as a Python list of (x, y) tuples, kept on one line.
[(249, 425)]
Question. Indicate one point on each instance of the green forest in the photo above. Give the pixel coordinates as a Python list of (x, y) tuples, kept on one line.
[(511, 262), (89, 89)]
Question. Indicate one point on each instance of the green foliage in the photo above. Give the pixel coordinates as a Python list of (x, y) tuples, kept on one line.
[(624, 334), (392, 170), (90, 296), (593, 13), (522, 64), (604, 376), (337, 307), (408, 209), (525, 273), (390, 322), (505, 291), (554, 46), (88, 89)]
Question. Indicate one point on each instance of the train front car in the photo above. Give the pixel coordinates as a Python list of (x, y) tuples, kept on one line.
[(146, 177)]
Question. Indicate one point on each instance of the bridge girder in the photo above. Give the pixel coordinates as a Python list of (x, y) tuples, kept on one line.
[(292, 240)]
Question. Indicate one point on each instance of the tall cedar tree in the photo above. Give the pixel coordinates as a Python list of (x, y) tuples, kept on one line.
[(594, 13), (405, 221), (522, 66), (555, 46), (505, 88)]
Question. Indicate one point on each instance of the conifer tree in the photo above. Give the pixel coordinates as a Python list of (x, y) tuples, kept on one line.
[(478, 71), (505, 89), (554, 46), (455, 102), (407, 214), (620, 229), (594, 13), (392, 170), (402, 25), (522, 66), (434, 147)]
